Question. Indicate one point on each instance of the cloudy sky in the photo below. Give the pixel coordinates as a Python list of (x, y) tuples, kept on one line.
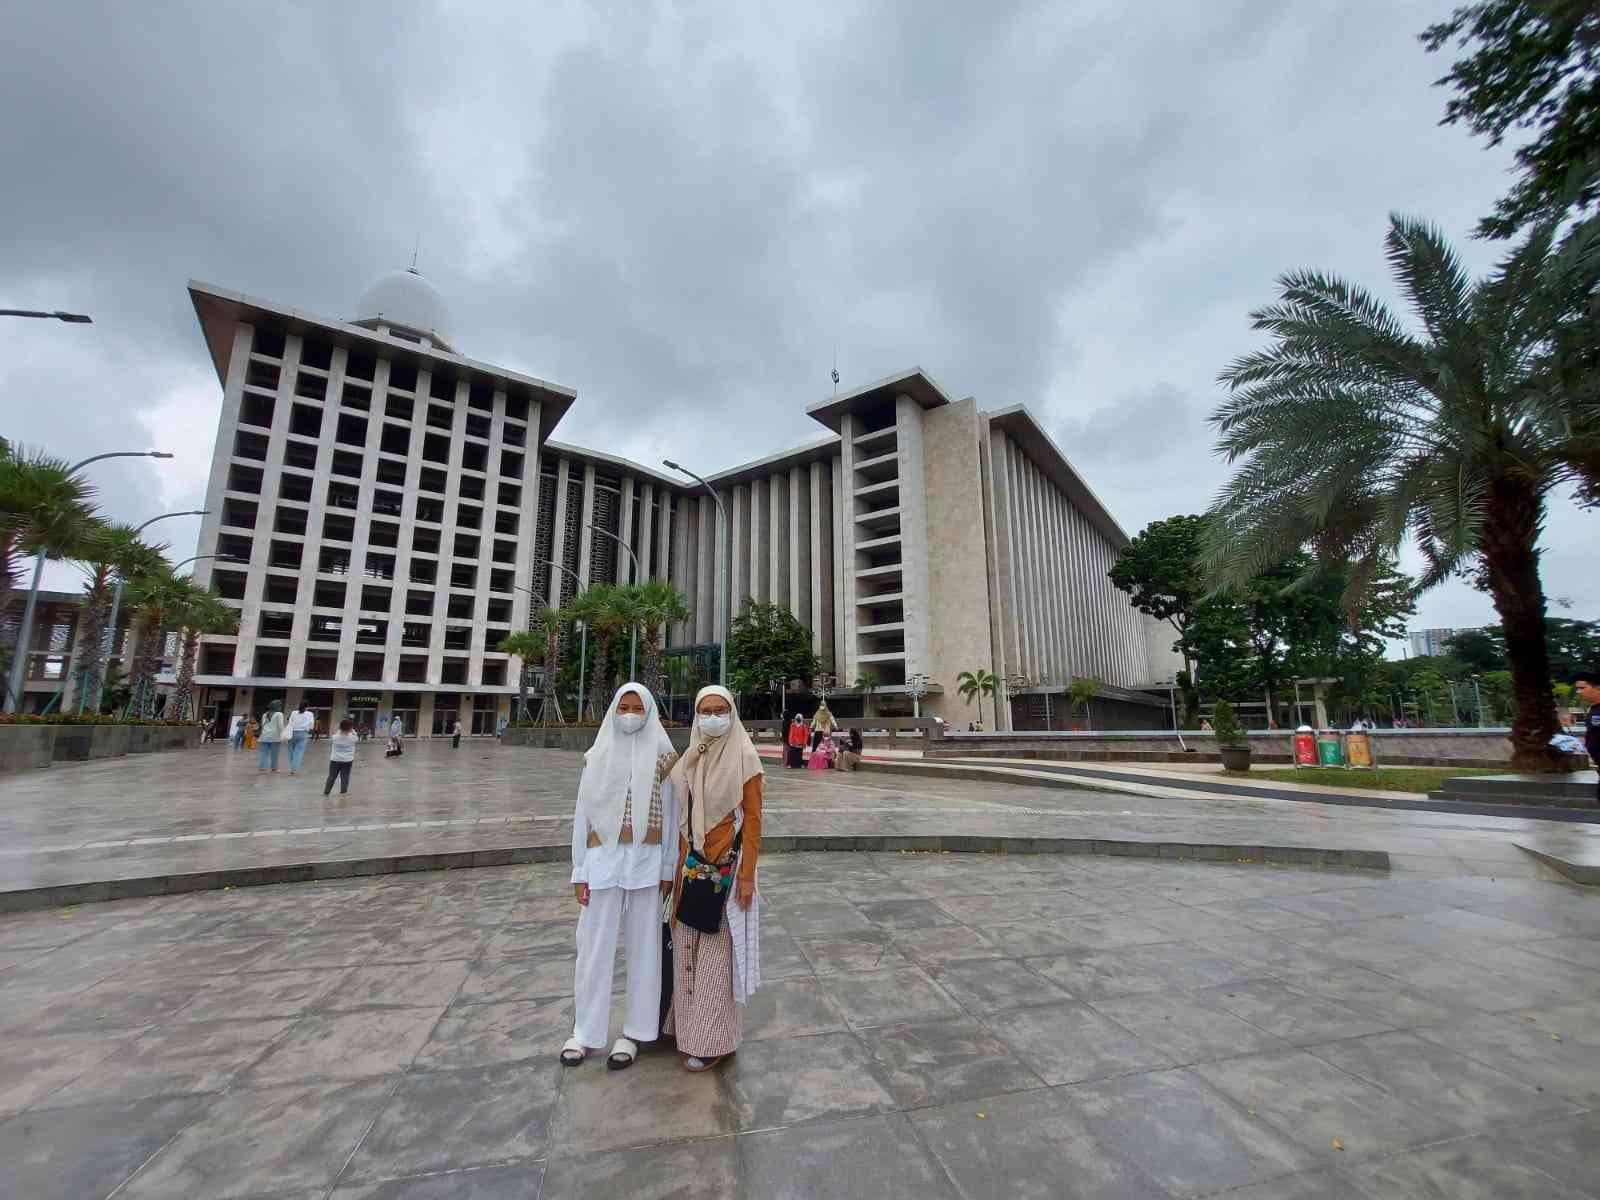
[(685, 211)]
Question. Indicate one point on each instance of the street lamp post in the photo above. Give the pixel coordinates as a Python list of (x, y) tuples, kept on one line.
[(69, 318), (25, 630), (633, 575), (1015, 682), (583, 629), (116, 598), (917, 685), (727, 599)]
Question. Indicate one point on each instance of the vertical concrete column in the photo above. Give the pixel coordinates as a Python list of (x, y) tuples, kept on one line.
[(760, 546), (486, 563), (739, 514), (585, 536), (824, 596), (625, 570), (663, 532), (1003, 549), (1002, 662), (720, 590), (1060, 580), (778, 540), (217, 486), (528, 573), (647, 534), (914, 553), (800, 545), (844, 523), (705, 573), (683, 523), (558, 535)]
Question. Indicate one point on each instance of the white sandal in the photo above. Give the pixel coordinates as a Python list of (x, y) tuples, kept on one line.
[(622, 1054), (575, 1048)]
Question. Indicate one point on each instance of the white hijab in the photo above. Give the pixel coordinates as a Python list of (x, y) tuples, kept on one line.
[(619, 764)]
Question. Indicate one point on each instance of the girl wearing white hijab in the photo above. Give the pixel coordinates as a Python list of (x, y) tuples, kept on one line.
[(621, 866), (717, 782)]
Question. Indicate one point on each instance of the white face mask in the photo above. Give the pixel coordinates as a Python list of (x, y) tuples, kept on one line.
[(630, 722), (714, 725)]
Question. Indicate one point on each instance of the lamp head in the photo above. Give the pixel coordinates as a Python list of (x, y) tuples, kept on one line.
[(158, 454), (73, 318), (667, 462)]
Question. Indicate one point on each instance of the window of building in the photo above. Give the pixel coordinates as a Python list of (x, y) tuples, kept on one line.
[(285, 554), (431, 480), (500, 581), (379, 566), (346, 463), (470, 488), (415, 634), (468, 516), (511, 495), (387, 503), (423, 570), (396, 439), (311, 386), (356, 396), (271, 663), (505, 552), (292, 486), (517, 407), (241, 514), (466, 546), (478, 426), (402, 377), (244, 479), (328, 594), (334, 562), (511, 464), (367, 666), (371, 631), (300, 455), (232, 545), (413, 669), (464, 575), (460, 608), (290, 520), (321, 665), (499, 610), (267, 339), (352, 430), (453, 670), (361, 365), (514, 435), (391, 472), (343, 495), (274, 624), (249, 445), (492, 635), (419, 604), (474, 457), (256, 410), (336, 528), (216, 660), (481, 396), (229, 584), (425, 541), (442, 386), (430, 510), (382, 533), (440, 417), (305, 420), (398, 408), (436, 448), (315, 352), (458, 637), (280, 589), (494, 675), (376, 599)]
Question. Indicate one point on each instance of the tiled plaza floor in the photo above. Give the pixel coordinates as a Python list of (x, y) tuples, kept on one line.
[(931, 1026), (208, 808)]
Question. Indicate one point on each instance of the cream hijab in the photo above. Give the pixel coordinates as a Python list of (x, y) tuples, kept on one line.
[(713, 771), (620, 764)]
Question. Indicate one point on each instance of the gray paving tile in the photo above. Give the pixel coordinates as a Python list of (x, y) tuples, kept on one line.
[(939, 1061), (1542, 1057), (87, 1151), (1183, 1133), (1458, 1089), (34, 1068), (1029, 1147), (884, 997), (1311, 1185), (398, 985), (791, 1080), (1329, 1112), (483, 1035), (879, 1157), (905, 914), (935, 947), (994, 985), (1293, 1014), (259, 996), (447, 1120), (1184, 1029), (263, 1140), (519, 1182), (790, 1008), (203, 1057), (834, 954), (819, 917), (1469, 1169), (653, 1101), (1568, 1148), (672, 1172), (1580, 951), (351, 1045), (1069, 1042)]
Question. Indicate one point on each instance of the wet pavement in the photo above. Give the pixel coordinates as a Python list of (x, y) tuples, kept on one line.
[(930, 1025)]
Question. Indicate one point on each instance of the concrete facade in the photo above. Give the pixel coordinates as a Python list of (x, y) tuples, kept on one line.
[(385, 511)]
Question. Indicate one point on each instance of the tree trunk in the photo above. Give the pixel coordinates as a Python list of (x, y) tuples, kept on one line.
[(598, 681), (652, 661), (96, 615), (145, 663), (550, 674), (183, 695), (1511, 525)]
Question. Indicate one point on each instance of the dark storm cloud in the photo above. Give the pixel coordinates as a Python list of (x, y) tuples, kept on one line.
[(685, 211)]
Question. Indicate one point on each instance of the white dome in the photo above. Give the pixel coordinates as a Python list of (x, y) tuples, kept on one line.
[(405, 300)]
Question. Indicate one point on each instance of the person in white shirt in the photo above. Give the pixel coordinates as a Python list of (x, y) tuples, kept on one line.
[(300, 723), (273, 730), (622, 865), (397, 730), (236, 731), (455, 735), (341, 757)]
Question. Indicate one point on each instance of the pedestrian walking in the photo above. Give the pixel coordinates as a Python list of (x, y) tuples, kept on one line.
[(341, 757), (299, 733), (1587, 686), (455, 735), (397, 730), (236, 731), (716, 955), (273, 730), (623, 861)]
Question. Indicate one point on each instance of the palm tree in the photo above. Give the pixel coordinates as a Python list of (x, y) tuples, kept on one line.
[(157, 599), (200, 611), (974, 685), (114, 554), (865, 682), (1080, 692), (657, 604), (43, 510), (1357, 433), (525, 644), (601, 609)]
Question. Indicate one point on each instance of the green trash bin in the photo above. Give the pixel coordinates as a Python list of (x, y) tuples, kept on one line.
[(1330, 753)]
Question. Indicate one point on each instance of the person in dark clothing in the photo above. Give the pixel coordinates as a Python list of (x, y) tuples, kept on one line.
[(1588, 688)]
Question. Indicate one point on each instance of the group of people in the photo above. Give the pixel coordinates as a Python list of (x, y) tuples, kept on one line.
[(287, 734), (821, 732), (664, 850)]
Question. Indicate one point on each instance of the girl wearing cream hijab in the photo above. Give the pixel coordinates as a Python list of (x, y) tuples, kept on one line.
[(717, 782), (622, 864)]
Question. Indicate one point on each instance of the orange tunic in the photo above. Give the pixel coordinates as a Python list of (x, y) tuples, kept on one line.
[(720, 836)]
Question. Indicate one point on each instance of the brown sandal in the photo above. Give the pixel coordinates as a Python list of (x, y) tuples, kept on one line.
[(705, 1063)]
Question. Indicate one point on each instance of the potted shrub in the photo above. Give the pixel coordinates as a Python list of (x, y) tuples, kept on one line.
[(1231, 742)]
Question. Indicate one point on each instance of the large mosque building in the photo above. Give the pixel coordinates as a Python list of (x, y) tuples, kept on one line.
[(384, 510)]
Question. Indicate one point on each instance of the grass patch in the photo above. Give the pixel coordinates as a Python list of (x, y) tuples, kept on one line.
[(1385, 779)]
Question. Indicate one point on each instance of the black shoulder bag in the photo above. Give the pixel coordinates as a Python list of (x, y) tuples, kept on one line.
[(704, 889)]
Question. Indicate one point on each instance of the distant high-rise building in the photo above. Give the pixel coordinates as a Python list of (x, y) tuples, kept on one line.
[(1430, 643)]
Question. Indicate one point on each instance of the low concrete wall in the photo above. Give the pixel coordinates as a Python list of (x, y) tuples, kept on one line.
[(1397, 747), (75, 743), (26, 747), (147, 739)]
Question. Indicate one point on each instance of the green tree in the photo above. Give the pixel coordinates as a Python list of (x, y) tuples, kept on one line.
[(866, 683), (1533, 65), (526, 644), (766, 643), (604, 609), (657, 605), (43, 510), (1480, 649), (975, 685), (201, 611), (1160, 572), (112, 554), (1356, 433), (1080, 693)]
